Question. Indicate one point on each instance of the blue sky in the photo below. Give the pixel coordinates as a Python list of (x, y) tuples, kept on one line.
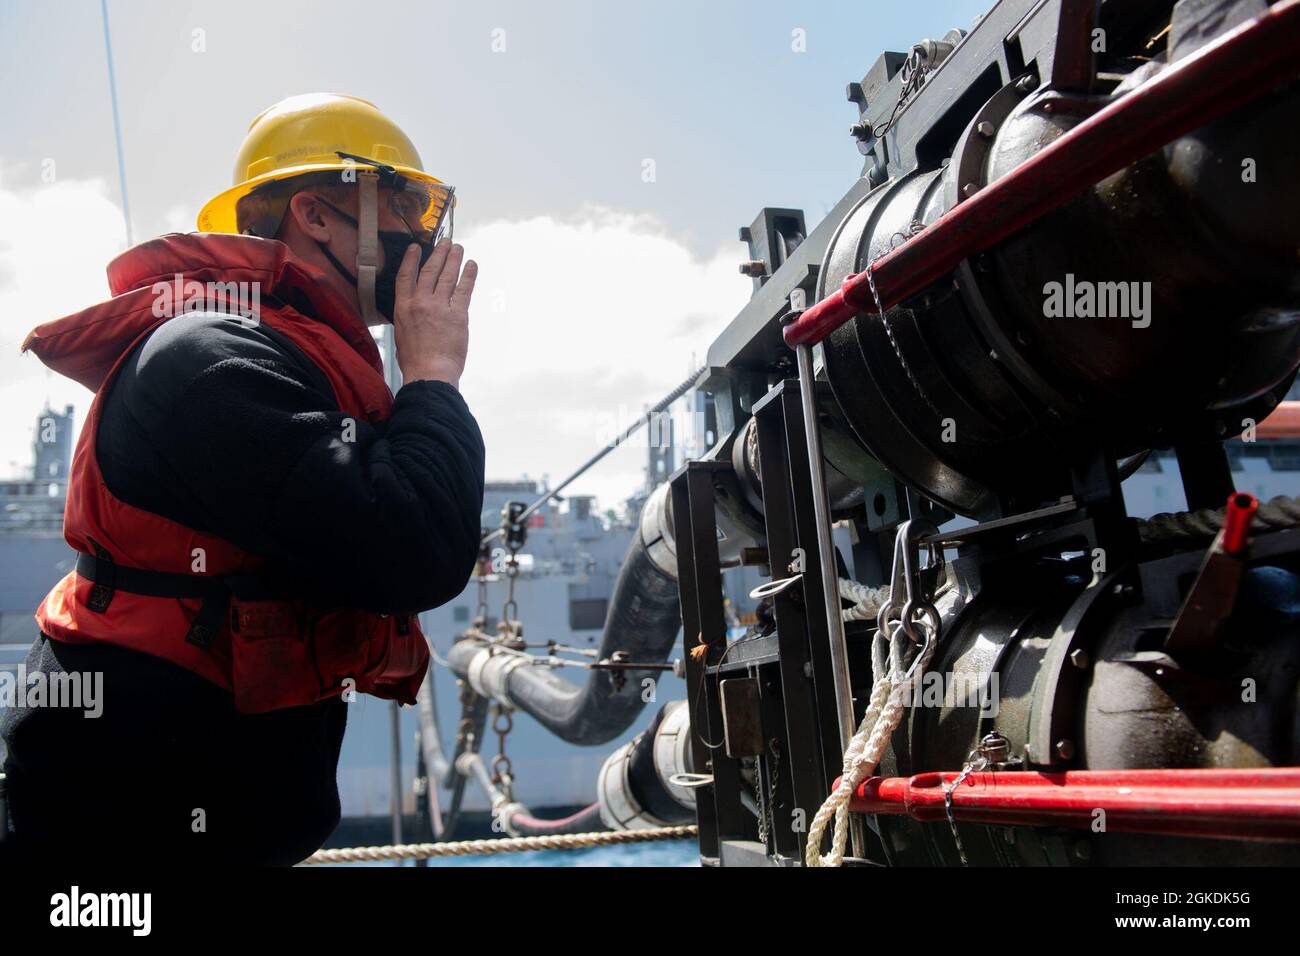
[(545, 140)]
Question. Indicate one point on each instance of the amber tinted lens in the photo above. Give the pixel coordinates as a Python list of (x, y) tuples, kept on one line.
[(409, 207), (435, 214), (421, 206)]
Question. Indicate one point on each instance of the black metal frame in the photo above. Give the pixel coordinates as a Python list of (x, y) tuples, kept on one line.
[(787, 668), (721, 816), (792, 665)]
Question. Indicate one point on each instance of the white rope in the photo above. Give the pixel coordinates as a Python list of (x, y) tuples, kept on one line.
[(866, 601), (890, 689), (564, 841)]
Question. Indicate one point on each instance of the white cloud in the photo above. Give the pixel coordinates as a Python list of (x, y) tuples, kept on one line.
[(577, 324), (55, 242), (180, 218)]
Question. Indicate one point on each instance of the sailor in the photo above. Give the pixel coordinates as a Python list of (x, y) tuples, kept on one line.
[(257, 518)]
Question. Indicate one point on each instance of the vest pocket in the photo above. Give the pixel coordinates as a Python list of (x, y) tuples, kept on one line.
[(272, 663), (399, 659), (342, 640), (383, 655), (288, 654)]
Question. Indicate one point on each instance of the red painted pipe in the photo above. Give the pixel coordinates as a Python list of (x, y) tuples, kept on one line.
[(1261, 804), (1236, 521), (1239, 66)]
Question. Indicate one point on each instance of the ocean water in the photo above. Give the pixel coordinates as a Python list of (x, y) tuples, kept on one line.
[(669, 853)]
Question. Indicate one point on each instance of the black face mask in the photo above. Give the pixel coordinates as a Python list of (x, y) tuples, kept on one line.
[(394, 245)]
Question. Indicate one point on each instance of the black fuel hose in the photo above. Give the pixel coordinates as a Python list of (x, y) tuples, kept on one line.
[(642, 625)]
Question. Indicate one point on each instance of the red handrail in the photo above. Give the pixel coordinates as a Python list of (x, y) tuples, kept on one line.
[(1219, 77), (1260, 804)]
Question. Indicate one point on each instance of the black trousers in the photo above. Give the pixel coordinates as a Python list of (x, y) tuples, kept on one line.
[(168, 771)]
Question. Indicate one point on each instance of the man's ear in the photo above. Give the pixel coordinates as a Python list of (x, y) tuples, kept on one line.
[(308, 214)]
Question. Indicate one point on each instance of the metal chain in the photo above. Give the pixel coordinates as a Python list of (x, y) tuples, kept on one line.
[(991, 751), (502, 770), (975, 762), (766, 810), (915, 68), (465, 729), (481, 612), (425, 851), (509, 627), (889, 329), (913, 228)]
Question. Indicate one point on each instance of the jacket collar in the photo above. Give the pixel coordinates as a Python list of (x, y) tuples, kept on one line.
[(85, 345)]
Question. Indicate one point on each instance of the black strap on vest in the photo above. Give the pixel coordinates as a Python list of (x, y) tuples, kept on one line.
[(109, 577)]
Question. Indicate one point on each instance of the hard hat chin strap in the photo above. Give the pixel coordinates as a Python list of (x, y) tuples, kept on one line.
[(368, 247)]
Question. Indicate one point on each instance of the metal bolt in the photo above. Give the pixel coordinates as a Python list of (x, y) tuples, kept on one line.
[(970, 189), (1065, 749), (1079, 658), (1082, 850), (1027, 84), (860, 131), (754, 268), (994, 748), (986, 129)]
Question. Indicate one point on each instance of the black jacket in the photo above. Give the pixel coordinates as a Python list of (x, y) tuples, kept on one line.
[(230, 429)]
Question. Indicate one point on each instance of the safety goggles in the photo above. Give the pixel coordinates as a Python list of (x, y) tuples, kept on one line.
[(426, 208)]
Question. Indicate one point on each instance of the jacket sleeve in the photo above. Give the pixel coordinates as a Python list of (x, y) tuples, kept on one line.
[(250, 445)]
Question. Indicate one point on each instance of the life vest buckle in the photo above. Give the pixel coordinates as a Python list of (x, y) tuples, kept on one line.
[(104, 586)]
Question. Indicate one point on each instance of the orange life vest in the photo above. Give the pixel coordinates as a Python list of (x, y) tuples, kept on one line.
[(153, 585)]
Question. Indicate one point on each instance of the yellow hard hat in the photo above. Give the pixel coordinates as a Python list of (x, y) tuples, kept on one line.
[(320, 132)]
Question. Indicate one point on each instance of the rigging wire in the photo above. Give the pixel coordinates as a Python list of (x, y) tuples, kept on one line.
[(627, 433), (117, 124)]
